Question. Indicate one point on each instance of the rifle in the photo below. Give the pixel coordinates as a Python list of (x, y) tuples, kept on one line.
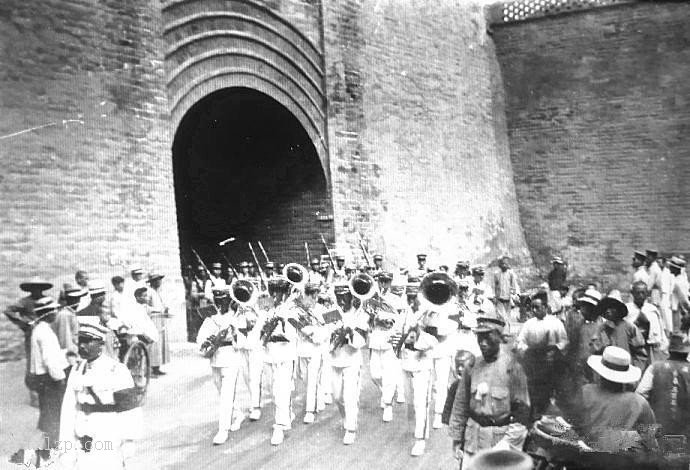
[(258, 266), (364, 251), (263, 251), (330, 257), (306, 248), (203, 265), (232, 268)]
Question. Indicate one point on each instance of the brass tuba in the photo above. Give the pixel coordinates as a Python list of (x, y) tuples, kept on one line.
[(243, 292), (438, 290), (363, 286), (296, 275)]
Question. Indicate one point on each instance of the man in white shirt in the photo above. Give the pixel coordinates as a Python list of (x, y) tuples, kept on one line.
[(115, 301), (647, 318), (135, 282), (541, 342), (47, 369), (654, 271), (679, 292), (640, 270)]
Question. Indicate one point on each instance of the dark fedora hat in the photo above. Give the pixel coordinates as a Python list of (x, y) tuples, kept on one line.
[(613, 300)]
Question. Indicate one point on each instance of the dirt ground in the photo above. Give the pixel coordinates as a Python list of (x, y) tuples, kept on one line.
[(180, 423)]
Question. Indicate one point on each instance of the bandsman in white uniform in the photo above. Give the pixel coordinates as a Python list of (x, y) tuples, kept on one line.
[(100, 411), (384, 366), (217, 339), (347, 342), (279, 337), (312, 334)]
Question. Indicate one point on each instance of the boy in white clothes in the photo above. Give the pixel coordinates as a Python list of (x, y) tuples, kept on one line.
[(347, 342), (217, 339)]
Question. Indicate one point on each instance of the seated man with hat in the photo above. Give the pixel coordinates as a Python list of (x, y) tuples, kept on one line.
[(492, 403), (612, 419), (666, 384), (96, 417)]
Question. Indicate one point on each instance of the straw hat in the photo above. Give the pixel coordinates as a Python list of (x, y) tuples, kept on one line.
[(614, 365), (613, 300)]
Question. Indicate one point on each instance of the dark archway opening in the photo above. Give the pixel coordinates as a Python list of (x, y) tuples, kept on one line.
[(244, 167)]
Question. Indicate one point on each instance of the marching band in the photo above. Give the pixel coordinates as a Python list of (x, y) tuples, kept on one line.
[(318, 326)]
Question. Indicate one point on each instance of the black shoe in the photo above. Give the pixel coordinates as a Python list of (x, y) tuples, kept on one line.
[(157, 372)]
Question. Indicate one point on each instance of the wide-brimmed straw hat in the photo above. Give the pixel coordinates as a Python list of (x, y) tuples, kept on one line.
[(35, 283), (614, 365), (590, 296)]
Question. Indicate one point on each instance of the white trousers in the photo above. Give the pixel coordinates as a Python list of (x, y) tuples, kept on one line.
[(442, 370), (346, 383), (309, 372), (225, 379), (252, 368), (418, 385), (385, 371), (325, 378), (282, 391)]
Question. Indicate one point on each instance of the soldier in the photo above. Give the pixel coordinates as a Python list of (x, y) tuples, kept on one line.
[(311, 335), (421, 270), (217, 339), (96, 416), (244, 270), (253, 276), (269, 271), (347, 342), (250, 321), (315, 276), (640, 270), (384, 366), (217, 274), (159, 313), (338, 275), (279, 338), (462, 271), (679, 302), (492, 403), (414, 349), (378, 265)]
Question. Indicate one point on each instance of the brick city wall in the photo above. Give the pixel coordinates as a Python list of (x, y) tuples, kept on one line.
[(418, 150), (598, 110), (89, 195)]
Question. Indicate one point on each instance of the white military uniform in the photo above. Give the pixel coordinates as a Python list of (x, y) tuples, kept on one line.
[(251, 351), (384, 366), (417, 365), (109, 430), (281, 356), (225, 368), (310, 340), (346, 363)]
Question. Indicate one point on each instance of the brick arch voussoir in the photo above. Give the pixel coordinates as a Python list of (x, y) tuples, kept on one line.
[(233, 79)]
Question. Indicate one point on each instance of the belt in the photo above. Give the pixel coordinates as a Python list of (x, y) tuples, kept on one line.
[(226, 343), (88, 408), (486, 421)]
